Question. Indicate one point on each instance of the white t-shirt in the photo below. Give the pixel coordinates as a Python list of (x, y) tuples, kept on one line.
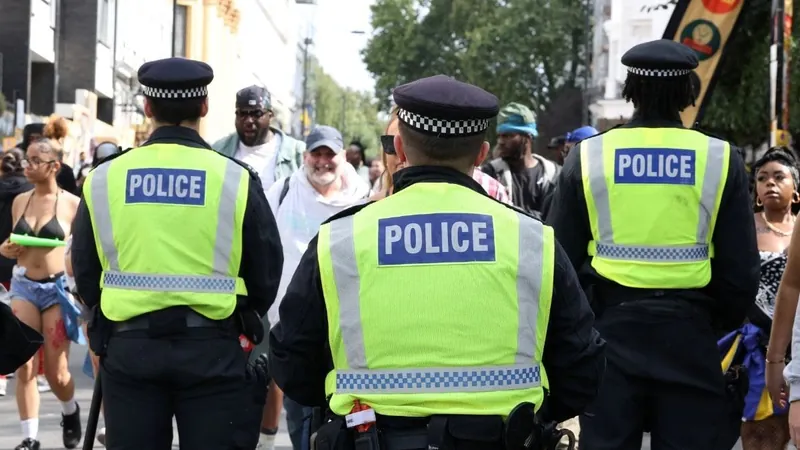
[(262, 158), (300, 215)]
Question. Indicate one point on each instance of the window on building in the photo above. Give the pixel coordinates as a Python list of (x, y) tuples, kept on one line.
[(105, 22), (181, 30)]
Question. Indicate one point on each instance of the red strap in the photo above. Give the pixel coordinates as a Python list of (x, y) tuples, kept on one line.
[(358, 407)]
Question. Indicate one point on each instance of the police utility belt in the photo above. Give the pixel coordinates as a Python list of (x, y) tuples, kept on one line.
[(364, 430), (170, 321)]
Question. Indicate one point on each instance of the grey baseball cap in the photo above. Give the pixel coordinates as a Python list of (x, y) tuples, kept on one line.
[(253, 97), (325, 136)]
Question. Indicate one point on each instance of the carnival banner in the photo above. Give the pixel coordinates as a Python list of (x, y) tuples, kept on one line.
[(705, 26)]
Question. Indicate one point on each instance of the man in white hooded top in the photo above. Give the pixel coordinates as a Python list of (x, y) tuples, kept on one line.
[(323, 186)]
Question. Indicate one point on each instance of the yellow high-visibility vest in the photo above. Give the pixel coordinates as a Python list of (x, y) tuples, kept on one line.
[(438, 300), (167, 223), (653, 196)]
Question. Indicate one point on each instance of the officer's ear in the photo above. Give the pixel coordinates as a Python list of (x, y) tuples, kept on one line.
[(485, 148), (148, 108), (204, 108), (399, 149)]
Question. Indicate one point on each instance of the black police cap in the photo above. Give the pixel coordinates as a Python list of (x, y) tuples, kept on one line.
[(444, 106), (254, 97), (660, 58), (175, 78)]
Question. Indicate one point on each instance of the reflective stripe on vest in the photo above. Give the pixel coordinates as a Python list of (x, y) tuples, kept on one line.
[(223, 244), (605, 246), (525, 373)]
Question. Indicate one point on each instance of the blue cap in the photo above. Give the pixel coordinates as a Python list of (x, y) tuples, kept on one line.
[(581, 134), (325, 136)]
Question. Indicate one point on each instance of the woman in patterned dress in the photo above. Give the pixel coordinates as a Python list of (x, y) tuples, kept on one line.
[(765, 425)]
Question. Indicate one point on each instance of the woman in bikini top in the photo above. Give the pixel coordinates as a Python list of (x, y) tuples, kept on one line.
[(36, 291)]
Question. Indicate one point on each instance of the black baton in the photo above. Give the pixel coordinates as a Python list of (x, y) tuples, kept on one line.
[(94, 414)]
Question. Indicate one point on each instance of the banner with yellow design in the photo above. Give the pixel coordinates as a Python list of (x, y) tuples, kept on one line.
[(705, 26)]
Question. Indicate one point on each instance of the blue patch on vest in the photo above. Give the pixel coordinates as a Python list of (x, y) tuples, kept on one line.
[(654, 166), (166, 186), (436, 238)]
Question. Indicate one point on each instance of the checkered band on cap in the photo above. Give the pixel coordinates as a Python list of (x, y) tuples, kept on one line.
[(442, 126), (175, 93), (658, 72)]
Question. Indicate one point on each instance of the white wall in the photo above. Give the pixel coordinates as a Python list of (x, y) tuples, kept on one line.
[(136, 47), (627, 25), (267, 41)]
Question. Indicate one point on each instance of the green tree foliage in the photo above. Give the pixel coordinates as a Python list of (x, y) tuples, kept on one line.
[(528, 51), (739, 107), (353, 113)]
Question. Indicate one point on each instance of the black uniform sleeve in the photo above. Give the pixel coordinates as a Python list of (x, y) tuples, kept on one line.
[(735, 267), (85, 262), (262, 252), (574, 352), (567, 211), (299, 354)]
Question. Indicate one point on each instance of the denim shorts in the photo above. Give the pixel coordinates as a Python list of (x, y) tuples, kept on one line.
[(42, 293)]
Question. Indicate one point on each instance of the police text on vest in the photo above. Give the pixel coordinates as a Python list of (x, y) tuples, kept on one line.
[(654, 166), (166, 186), (436, 238)]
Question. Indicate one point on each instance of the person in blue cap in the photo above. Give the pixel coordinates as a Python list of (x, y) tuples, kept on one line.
[(420, 320), (577, 135), (527, 177), (657, 219), (177, 253)]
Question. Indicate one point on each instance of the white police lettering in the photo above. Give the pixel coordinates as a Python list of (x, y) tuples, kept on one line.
[(167, 186), (436, 238), (654, 166)]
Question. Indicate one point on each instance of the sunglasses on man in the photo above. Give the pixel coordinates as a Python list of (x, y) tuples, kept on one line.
[(387, 142), (254, 113)]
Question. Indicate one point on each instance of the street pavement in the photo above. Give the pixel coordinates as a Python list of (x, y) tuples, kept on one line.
[(50, 413)]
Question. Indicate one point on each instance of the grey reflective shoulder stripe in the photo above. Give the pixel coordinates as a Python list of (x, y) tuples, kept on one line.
[(219, 282), (439, 380), (347, 280), (529, 285), (101, 213), (226, 217), (597, 185), (605, 245), (711, 187), (345, 274)]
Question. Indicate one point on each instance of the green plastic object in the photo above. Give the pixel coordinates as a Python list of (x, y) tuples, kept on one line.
[(32, 241)]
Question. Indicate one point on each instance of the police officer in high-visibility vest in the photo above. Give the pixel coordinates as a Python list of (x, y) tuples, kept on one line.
[(656, 218), (177, 251), (433, 314)]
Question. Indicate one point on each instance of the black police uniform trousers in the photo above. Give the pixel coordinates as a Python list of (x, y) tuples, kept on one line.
[(663, 375), (197, 375)]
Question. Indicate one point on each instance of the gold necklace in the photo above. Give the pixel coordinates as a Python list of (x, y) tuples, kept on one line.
[(775, 229)]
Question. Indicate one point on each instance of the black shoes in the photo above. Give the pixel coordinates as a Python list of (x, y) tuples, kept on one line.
[(28, 444), (71, 429)]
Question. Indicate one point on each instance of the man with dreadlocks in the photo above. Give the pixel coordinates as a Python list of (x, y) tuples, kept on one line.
[(656, 219)]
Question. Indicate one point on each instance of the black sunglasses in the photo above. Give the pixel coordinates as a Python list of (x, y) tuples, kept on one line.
[(387, 142), (254, 113)]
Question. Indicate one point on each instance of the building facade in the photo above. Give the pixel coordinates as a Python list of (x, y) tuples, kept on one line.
[(207, 32), (619, 25), (29, 47)]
